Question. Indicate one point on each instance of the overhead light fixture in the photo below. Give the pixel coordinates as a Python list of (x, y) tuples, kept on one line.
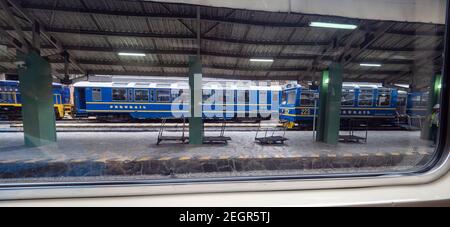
[(370, 65), (132, 54), (261, 60), (333, 25)]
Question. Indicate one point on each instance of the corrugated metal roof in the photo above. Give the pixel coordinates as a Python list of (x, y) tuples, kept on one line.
[(167, 34)]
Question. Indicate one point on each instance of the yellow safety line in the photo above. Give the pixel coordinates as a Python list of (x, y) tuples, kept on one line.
[(12, 105)]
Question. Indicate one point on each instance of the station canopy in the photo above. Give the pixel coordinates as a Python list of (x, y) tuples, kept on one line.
[(94, 33)]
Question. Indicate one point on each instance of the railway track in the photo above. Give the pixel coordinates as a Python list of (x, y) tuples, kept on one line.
[(71, 126), (92, 125)]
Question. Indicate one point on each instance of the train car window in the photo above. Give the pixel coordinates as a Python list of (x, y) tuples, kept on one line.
[(163, 96), (141, 95), (365, 97), (119, 94), (241, 96), (96, 94), (284, 98), (291, 98), (2, 97), (384, 98), (348, 97), (307, 98)]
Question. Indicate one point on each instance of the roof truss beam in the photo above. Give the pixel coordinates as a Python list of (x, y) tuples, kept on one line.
[(221, 20), (51, 39)]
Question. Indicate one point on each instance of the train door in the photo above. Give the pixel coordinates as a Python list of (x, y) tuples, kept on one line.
[(80, 98)]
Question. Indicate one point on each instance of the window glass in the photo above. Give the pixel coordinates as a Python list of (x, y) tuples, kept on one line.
[(141, 95), (384, 98), (284, 97), (120, 94), (307, 98), (163, 96), (291, 97), (365, 97), (127, 97), (348, 97), (96, 94)]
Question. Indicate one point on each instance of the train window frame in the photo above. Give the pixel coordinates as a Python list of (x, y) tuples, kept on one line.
[(158, 97), (291, 97), (125, 95), (388, 93), (97, 97), (372, 95), (141, 100), (312, 94), (348, 91)]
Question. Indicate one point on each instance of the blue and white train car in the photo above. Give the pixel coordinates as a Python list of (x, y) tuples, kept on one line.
[(121, 101), (300, 105)]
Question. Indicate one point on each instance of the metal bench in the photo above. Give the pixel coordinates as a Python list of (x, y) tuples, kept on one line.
[(183, 138), (270, 137), (221, 139), (352, 137)]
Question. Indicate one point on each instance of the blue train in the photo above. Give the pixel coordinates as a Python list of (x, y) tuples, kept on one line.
[(124, 101), (384, 105), (115, 101), (11, 106)]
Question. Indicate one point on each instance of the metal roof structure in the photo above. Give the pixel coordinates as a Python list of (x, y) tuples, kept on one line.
[(93, 32)]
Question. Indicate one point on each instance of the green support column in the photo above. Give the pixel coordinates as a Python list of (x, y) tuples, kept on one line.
[(195, 84), (433, 99), (37, 100), (330, 105)]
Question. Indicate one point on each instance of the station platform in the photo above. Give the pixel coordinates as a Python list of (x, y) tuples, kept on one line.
[(136, 154)]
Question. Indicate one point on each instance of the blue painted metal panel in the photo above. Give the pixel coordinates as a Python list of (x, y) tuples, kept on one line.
[(305, 114), (156, 108)]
